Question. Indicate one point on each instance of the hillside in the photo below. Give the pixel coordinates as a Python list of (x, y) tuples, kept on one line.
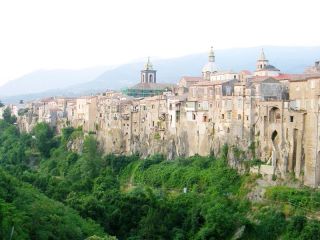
[(48, 83), (44, 80), (133, 198), (287, 59)]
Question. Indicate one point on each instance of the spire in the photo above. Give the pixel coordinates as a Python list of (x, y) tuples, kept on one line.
[(211, 55), (262, 56), (148, 65)]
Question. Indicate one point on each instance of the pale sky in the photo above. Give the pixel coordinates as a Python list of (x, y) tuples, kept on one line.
[(43, 34)]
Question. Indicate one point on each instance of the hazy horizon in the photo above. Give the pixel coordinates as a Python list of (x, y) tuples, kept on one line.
[(142, 59), (40, 34)]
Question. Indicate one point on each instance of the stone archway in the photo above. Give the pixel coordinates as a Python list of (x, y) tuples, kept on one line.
[(274, 135), (275, 148), (274, 115)]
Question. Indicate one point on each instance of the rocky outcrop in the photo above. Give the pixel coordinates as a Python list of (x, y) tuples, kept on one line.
[(75, 144)]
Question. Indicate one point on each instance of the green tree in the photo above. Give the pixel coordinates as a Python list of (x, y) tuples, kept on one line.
[(271, 223), (34, 216), (91, 159), (44, 141), (8, 117)]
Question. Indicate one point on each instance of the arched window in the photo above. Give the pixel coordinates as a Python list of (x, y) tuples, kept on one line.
[(143, 78), (275, 115), (150, 78)]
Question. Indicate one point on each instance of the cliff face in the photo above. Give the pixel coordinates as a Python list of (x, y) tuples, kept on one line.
[(186, 139), (76, 144), (255, 119)]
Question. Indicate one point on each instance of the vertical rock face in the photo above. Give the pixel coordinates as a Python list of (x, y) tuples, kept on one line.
[(76, 144), (268, 116)]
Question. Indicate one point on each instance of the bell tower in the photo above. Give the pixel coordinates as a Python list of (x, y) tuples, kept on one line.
[(210, 67), (262, 62), (148, 75)]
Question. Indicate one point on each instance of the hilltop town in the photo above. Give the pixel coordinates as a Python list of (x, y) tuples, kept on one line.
[(265, 114)]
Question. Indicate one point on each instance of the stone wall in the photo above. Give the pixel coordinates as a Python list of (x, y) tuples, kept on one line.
[(252, 116)]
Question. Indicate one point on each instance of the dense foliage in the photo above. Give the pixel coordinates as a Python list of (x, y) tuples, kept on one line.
[(28, 214), (60, 194)]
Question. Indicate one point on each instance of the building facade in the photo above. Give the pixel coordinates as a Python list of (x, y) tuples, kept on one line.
[(266, 115)]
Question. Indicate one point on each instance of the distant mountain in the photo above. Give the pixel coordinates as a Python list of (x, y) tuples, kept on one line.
[(44, 80), (287, 59)]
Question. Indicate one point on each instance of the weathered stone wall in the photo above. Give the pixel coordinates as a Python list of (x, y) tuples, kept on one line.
[(252, 117)]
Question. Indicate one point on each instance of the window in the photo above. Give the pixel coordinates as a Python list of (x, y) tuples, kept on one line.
[(291, 118), (193, 116), (229, 115), (150, 78), (274, 115), (222, 116), (229, 104), (239, 116), (228, 90)]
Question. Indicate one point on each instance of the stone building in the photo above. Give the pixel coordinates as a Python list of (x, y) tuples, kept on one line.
[(86, 113), (263, 68), (313, 69), (148, 85), (267, 114), (210, 67)]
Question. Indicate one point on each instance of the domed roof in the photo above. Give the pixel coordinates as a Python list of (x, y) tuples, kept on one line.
[(210, 66), (270, 68)]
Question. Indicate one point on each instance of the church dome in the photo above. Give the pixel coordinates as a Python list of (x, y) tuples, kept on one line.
[(211, 65)]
